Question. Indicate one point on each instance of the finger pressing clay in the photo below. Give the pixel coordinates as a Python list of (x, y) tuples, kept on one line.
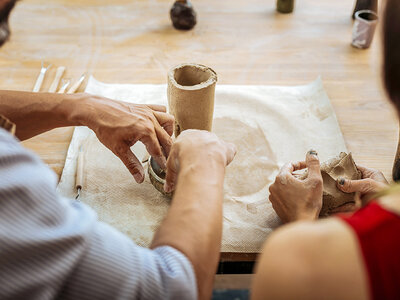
[(183, 15), (342, 166)]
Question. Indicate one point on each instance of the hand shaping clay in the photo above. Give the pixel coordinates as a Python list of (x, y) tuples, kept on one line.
[(191, 89), (342, 166)]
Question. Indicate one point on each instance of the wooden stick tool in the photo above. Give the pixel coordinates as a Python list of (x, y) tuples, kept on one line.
[(64, 84), (39, 80), (77, 84), (79, 173), (56, 81)]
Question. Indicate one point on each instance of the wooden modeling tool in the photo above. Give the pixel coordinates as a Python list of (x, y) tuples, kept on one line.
[(79, 173), (77, 84), (64, 84), (56, 81), (39, 80)]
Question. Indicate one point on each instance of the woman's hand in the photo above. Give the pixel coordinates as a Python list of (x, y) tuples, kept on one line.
[(119, 125), (198, 150), (372, 182), (294, 199)]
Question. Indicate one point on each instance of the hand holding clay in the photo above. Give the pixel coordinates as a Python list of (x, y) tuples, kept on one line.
[(119, 125), (372, 181), (296, 199), (197, 149)]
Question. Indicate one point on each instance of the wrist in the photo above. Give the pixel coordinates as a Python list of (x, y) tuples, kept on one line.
[(202, 167), (79, 108), (306, 216), (203, 159)]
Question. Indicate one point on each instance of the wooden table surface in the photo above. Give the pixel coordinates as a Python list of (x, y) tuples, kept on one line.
[(246, 42)]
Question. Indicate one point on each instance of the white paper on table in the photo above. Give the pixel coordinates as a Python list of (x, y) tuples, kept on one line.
[(270, 125)]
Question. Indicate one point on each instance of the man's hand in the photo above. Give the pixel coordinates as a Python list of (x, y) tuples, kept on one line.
[(193, 225), (371, 182), (294, 199), (193, 147), (119, 125)]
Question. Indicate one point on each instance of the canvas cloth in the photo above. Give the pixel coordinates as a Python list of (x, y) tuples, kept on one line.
[(270, 125)]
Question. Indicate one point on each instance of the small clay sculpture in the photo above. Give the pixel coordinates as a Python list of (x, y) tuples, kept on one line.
[(183, 15), (342, 166)]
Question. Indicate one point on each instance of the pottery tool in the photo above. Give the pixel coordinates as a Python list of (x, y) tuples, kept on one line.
[(77, 84), (40, 78), (56, 81), (79, 173), (64, 84)]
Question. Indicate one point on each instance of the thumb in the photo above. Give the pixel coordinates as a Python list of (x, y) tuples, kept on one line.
[(362, 186), (172, 172), (312, 163), (132, 163)]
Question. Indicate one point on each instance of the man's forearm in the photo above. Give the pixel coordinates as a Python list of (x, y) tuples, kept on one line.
[(35, 113), (194, 222)]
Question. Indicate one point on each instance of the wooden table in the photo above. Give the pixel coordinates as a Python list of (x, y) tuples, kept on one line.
[(246, 42)]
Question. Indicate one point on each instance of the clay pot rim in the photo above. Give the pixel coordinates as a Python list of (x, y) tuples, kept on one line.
[(210, 81)]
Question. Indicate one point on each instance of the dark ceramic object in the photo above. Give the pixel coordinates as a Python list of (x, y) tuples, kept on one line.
[(182, 15), (285, 6), (365, 4), (364, 28)]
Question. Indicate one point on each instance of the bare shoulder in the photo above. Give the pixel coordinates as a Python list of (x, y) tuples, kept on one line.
[(311, 260)]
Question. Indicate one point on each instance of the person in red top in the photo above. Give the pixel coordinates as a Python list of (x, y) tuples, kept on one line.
[(354, 256)]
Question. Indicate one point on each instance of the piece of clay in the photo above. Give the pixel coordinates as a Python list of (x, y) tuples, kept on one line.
[(183, 15), (191, 90), (342, 166)]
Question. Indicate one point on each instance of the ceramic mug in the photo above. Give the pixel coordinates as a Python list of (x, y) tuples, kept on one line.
[(364, 28)]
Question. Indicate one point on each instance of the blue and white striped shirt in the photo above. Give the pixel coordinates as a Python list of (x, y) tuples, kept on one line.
[(51, 247)]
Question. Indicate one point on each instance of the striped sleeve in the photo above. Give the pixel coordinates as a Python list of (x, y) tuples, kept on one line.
[(52, 247)]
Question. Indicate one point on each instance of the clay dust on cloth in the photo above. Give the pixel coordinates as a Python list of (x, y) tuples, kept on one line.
[(270, 125)]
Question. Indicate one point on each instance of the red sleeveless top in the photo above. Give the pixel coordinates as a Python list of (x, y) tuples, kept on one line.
[(378, 232)]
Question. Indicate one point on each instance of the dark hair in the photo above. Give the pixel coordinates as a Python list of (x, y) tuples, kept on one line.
[(6, 8), (391, 51)]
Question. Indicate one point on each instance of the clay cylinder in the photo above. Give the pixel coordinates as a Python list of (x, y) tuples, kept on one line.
[(191, 90), (285, 6)]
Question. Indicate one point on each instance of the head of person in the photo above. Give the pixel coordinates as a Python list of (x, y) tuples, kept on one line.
[(5, 8), (391, 51)]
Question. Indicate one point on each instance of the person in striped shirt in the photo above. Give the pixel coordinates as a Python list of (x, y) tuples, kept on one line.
[(51, 247)]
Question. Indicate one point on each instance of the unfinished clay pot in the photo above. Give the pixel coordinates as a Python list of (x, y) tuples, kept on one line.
[(191, 90), (157, 177)]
